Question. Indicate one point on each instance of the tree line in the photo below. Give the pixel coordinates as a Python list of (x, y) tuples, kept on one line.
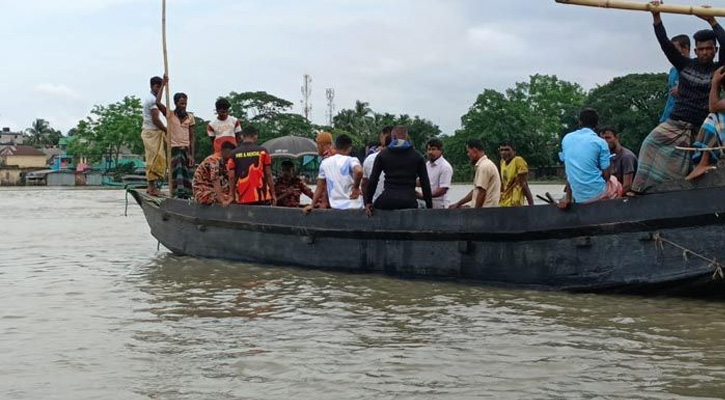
[(533, 114)]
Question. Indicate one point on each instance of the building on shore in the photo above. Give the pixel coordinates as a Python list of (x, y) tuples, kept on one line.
[(7, 137), (17, 161)]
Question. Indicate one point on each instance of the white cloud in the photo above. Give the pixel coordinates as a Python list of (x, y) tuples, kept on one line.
[(61, 92)]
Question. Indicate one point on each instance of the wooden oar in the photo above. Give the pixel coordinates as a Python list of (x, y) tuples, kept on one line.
[(168, 100), (663, 8)]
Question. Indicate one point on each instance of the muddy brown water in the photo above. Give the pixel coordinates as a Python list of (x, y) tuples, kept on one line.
[(89, 309)]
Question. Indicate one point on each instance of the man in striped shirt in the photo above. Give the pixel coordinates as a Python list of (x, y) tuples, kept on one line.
[(659, 158)]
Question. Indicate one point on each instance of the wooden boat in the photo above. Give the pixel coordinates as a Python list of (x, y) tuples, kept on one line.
[(667, 243)]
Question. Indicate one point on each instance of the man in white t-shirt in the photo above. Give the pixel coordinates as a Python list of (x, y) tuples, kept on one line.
[(153, 132), (340, 177), (369, 162), (224, 128), (440, 174)]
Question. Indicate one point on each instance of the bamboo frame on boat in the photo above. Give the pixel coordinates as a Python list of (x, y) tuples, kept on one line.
[(168, 100), (663, 8), (699, 149)]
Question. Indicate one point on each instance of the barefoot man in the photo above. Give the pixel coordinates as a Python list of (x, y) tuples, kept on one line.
[(153, 134)]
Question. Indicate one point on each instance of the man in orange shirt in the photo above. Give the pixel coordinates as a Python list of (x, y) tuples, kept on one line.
[(250, 170)]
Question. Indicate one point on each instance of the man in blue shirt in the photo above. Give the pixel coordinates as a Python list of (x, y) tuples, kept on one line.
[(682, 43), (586, 158)]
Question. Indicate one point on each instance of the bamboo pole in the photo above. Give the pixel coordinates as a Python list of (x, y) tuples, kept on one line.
[(168, 100), (663, 8)]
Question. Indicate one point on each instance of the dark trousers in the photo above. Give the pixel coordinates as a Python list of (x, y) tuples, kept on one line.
[(396, 200)]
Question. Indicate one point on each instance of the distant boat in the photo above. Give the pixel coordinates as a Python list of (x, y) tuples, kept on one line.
[(129, 181), (664, 243)]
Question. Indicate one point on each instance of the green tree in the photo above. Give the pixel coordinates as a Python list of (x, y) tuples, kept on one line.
[(257, 106), (108, 129), (533, 114), (631, 104), (270, 114), (202, 143)]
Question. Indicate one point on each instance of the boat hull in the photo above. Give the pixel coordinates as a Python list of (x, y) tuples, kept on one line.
[(629, 245)]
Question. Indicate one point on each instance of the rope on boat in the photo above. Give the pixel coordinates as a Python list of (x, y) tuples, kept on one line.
[(686, 253)]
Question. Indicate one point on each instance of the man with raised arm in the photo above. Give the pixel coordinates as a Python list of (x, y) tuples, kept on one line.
[(659, 158), (153, 135)]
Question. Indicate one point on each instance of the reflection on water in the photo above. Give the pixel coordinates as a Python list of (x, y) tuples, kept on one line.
[(93, 311)]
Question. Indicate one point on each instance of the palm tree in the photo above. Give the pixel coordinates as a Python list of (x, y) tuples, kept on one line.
[(362, 109), (38, 132)]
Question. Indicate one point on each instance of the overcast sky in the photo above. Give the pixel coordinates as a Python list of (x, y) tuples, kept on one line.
[(422, 57)]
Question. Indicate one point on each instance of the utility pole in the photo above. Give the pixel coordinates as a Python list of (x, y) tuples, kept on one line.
[(330, 94), (306, 96)]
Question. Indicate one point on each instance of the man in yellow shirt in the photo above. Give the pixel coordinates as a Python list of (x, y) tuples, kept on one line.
[(514, 177)]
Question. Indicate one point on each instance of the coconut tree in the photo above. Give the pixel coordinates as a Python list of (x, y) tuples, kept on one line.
[(38, 132)]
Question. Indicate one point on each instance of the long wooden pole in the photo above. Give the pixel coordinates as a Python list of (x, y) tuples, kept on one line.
[(663, 8), (168, 100)]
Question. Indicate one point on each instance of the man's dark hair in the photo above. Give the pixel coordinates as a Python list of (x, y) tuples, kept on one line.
[(343, 142), (608, 129), (287, 163), (156, 81), (388, 140), (475, 144), (589, 118), (507, 143), (228, 146), (222, 104), (387, 130), (250, 131), (705, 35), (435, 142), (682, 40), (179, 96)]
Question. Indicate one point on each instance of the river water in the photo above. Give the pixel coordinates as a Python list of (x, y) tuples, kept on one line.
[(91, 310)]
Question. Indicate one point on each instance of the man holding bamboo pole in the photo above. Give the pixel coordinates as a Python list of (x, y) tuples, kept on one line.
[(660, 160), (153, 135)]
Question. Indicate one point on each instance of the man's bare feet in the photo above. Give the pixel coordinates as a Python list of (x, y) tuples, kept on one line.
[(699, 171)]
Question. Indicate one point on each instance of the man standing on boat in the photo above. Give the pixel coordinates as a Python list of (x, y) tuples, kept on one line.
[(660, 159), (340, 176), (385, 139), (586, 158), (225, 127), (486, 191), (325, 151), (153, 135), (514, 177), (403, 168), (181, 136), (623, 160), (250, 171), (440, 174)]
